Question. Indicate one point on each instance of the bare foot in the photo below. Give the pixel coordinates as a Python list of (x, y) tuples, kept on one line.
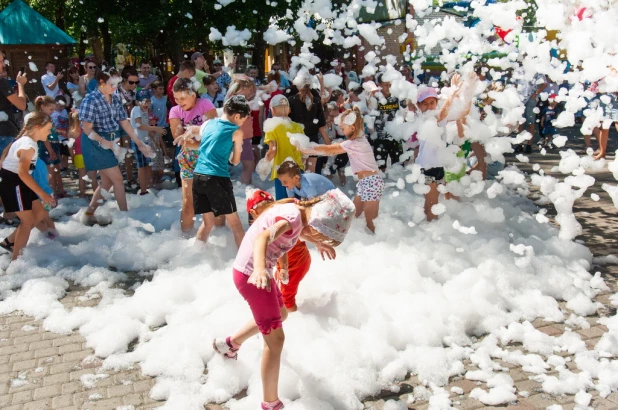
[(600, 155), (293, 308)]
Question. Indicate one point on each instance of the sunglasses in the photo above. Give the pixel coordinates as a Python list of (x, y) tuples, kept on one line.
[(217, 65), (133, 82), (92, 67)]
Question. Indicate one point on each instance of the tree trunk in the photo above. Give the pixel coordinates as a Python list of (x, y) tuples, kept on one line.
[(107, 42), (60, 15), (259, 50)]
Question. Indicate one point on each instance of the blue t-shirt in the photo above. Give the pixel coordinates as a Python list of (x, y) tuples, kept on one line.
[(159, 109), (311, 185), (215, 148), (92, 86), (41, 176)]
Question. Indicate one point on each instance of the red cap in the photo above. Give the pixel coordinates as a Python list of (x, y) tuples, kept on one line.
[(256, 197), (553, 96)]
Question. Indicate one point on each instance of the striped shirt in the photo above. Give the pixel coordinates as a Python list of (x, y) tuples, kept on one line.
[(104, 116)]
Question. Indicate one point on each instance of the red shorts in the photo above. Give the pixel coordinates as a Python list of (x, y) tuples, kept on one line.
[(299, 262), (265, 306)]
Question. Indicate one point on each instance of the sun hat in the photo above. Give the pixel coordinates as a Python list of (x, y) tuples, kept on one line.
[(426, 92), (333, 215), (255, 197), (217, 61), (279, 100)]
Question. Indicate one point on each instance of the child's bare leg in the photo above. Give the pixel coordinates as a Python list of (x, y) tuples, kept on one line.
[(251, 329), (431, 199), (479, 151), (371, 209), (93, 179), (358, 204), (81, 172), (271, 364), (235, 225), (187, 214), (142, 176), (310, 164), (603, 137), (342, 179), (208, 221)]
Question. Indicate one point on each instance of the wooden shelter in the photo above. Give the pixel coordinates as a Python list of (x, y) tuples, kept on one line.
[(28, 37)]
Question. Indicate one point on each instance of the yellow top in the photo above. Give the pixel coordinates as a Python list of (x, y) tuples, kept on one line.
[(285, 149)]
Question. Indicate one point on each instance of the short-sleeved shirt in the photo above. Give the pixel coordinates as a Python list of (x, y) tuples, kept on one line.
[(61, 123), (11, 162), (217, 100), (388, 110), (9, 127), (289, 212), (360, 154), (199, 76), (136, 113), (170, 90), (159, 109), (224, 80), (104, 116), (311, 185), (195, 116), (145, 81), (312, 119), (215, 147), (285, 149), (127, 97), (48, 79)]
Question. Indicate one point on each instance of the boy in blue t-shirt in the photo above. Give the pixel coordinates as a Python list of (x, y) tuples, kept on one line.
[(220, 142), (302, 186)]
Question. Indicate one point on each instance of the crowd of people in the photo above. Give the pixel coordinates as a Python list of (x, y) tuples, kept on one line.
[(116, 131)]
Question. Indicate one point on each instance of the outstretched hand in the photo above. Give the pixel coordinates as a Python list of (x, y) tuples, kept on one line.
[(190, 133), (260, 280), (326, 250)]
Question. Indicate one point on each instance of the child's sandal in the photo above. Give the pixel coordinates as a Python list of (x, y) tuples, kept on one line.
[(6, 245), (224, 347)]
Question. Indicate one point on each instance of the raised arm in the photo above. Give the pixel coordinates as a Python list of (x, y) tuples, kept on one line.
[(324, 150)]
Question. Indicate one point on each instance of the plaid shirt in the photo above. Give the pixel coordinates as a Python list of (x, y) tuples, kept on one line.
[(103, 116)]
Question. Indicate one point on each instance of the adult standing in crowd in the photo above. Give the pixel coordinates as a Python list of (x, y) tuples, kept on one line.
[(51, 80), (276, 68), (306, 109), (201, 68), (126, 92), (186, 69), (350, 74), (146, 78), (245, 86), (223, 78), (102, 113), (88, 82), (9, 101), (73, 86)]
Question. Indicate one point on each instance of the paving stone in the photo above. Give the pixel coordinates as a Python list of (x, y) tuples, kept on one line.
[(593, 332), (5, 400), (60, 378), (106, 404), (24, 365), (20, 357), (38, 405), (81, 355), (64, 367), (63, 401), (71, 387), (602, 404), (613, 397), (146, 385), (22, 397), (46, 352), (15, 407), (119, 391), (62, 340), (550, 330), (48, 391), (41, 344), (70, 348)]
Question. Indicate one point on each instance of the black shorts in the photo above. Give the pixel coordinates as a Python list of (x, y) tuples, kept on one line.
[(16, 196), (213, 194), (64, 150), (385, 148), (256, 140), (434, 175)]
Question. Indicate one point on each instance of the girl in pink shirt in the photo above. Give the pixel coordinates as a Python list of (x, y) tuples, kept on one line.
[(323, 221), (370, 184)]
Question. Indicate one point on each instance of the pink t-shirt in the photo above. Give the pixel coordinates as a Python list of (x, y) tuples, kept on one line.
[(77, 145), (360, 154), (289, 212), (195, 116)]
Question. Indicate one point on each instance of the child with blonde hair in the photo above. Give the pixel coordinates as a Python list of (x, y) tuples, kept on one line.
[(362, 161)]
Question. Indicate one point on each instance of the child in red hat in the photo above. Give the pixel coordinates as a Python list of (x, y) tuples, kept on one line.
[(298, 258)]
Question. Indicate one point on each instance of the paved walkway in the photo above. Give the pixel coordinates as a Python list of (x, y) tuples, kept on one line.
[(42, 370)]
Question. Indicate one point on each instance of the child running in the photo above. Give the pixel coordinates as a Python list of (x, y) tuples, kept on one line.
[(221, 142), (325, 222), (280, 148), (18, 190), (75, 135), (362, 161)]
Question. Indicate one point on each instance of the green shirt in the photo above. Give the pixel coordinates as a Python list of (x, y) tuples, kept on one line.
[(199, 76)]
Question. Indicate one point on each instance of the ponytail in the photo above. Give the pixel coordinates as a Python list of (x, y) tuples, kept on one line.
[(41, 101)]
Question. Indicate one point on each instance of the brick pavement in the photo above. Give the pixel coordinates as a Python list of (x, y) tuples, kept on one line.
[(42, 370)]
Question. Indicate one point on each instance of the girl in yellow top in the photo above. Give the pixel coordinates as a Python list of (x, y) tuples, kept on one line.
[(280, 147)]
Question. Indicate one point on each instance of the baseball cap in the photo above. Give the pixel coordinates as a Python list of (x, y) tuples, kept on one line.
[(426, 92), (279, 100), (217, 61), (196, 55), (142, 95), (370, 86), (553, 96), (256, 197)]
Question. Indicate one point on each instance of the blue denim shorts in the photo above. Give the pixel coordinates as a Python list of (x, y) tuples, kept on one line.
[(97, 158)]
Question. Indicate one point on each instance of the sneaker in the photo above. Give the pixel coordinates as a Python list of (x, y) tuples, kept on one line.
[(519, 148), (528, 149), (224, 347), (278, 405)]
